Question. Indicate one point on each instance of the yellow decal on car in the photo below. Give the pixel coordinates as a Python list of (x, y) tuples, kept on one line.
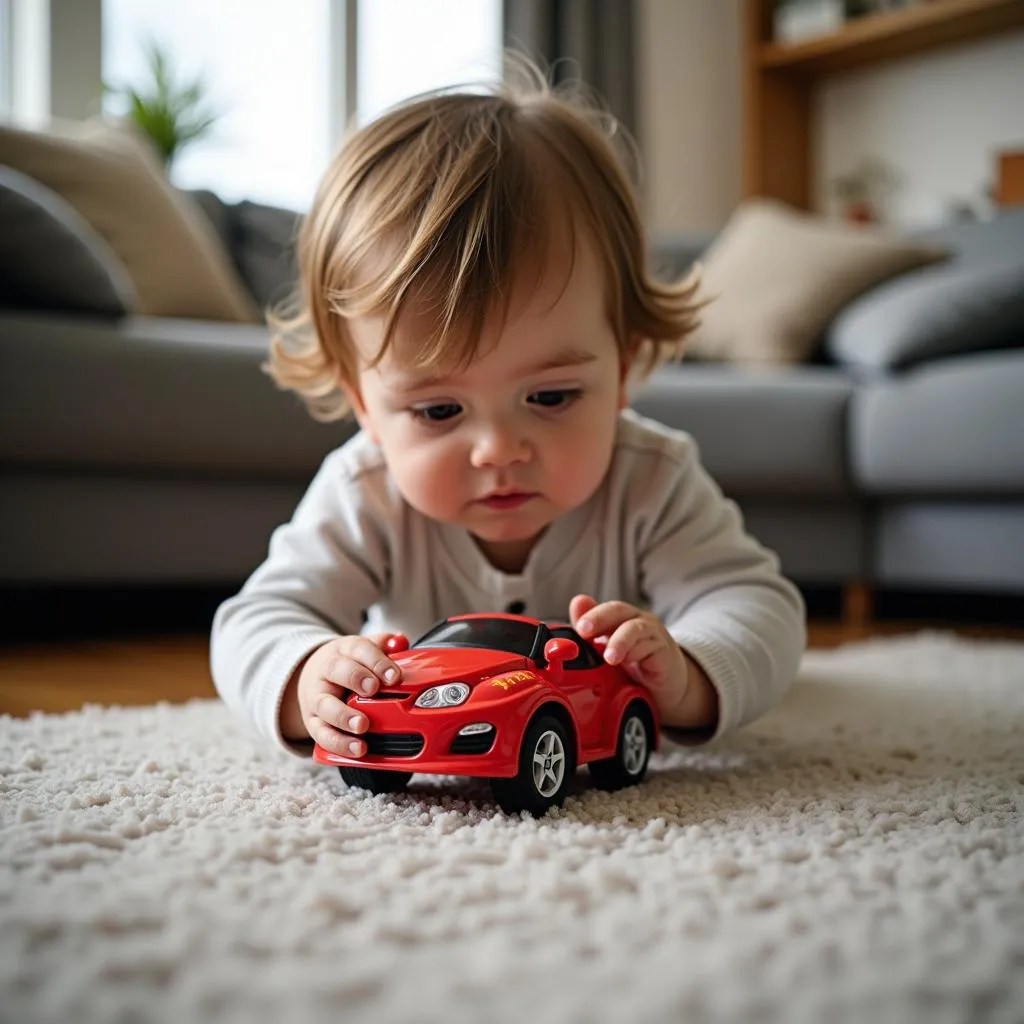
[(507, 681)]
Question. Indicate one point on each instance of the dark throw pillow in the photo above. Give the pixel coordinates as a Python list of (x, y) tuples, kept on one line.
[(50, 258)]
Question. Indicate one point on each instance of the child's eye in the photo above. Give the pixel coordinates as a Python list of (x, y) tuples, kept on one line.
[(557, 398), (436, 413)]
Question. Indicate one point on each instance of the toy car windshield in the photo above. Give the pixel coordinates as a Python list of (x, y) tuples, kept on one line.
[(510, 635)]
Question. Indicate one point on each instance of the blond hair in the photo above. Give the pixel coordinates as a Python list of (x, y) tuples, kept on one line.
[(447, 201)]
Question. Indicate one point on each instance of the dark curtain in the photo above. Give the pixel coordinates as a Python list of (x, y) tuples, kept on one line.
[(591, 40)]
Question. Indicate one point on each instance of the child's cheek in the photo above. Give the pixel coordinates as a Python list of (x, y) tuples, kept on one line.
[(430, 483)]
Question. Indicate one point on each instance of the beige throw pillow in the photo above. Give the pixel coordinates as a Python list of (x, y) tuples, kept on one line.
[(112, 177), (775, 277)]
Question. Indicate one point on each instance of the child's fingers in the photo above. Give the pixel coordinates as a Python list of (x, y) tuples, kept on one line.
[(335, 741), (350, 674), (579, 606), (337, 713), (367, 653), (619, 651), (605, 618), (624, 642), (359, 665)]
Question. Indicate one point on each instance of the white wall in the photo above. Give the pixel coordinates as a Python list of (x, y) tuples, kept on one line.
[(689, 110), (937, 118)]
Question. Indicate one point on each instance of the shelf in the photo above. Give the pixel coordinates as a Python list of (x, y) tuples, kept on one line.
[(877, 37)]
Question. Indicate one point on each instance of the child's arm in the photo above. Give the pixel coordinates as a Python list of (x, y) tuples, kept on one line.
[(719, 594), (324, 567)]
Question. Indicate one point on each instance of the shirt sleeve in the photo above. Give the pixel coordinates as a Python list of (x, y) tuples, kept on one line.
[(720, 594), (323, 569)]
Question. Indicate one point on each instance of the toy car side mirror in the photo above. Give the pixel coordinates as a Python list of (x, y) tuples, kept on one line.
[(396, 643), (559, 649)]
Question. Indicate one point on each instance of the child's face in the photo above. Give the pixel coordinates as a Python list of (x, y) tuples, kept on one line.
[(520, 437)]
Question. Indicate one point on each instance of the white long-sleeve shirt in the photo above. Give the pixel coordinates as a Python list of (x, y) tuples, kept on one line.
[(658, 533)]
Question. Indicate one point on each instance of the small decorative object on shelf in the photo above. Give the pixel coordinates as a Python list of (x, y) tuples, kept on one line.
[(797, 20), (862, 193), (881, 6)]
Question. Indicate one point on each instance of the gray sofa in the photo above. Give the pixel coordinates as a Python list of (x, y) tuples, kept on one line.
[(897, 459), (141, 452)]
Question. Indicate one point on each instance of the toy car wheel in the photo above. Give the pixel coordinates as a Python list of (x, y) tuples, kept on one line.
[(633, 751), (547, 761), (376, 780)]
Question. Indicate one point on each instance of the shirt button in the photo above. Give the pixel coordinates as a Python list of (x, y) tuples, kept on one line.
[(516, 607)]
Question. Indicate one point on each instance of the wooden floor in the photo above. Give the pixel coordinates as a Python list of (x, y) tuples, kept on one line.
[(66, 676)]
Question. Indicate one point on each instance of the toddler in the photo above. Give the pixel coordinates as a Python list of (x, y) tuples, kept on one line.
[(476, 291)]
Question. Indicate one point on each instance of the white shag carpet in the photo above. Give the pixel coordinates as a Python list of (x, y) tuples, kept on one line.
[(857, 855)]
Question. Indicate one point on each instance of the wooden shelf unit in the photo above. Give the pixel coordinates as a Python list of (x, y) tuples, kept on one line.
[(779, 78)]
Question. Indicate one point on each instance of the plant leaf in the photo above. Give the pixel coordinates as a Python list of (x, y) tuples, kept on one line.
[(171, 112)]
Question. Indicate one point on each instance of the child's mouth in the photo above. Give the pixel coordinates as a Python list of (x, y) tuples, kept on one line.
[(507, 501)]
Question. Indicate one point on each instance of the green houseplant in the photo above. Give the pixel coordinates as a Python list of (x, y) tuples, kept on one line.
[(171, 112)]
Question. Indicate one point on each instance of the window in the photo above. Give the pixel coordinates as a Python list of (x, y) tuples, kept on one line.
[(273, 68), (405, 47), (267, 66)]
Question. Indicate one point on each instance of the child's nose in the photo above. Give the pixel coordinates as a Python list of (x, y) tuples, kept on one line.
[(499, 445)]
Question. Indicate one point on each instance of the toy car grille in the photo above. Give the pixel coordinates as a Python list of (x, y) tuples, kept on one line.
[(394, 744), (381, 695), (479, 743)]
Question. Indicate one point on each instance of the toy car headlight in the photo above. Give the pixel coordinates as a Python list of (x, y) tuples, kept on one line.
[(446, 696)]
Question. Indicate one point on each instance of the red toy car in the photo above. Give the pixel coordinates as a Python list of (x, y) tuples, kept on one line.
[(508, 698)]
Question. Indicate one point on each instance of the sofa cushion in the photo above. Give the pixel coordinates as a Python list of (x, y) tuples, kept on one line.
[(263, 247), (261, 242), (760, 433), (974, 302), (776, 276), (152, 395), (40, 231), (112, 177), (217, 212), (952, 427), (997, 239)]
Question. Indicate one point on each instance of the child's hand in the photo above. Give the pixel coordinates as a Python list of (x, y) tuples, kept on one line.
[(639, 642), (346, 663)]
